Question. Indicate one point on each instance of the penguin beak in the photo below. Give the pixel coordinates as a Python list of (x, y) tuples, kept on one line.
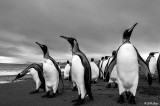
[(39, 44), (64, 37), (14, 79), (17, 77), (131, 29)]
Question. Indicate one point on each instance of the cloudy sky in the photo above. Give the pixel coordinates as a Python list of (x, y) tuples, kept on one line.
[(98, 26)]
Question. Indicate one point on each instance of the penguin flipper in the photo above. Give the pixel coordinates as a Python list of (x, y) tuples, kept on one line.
[(109, 68), (87, 71), (59, 71), (145, 68)]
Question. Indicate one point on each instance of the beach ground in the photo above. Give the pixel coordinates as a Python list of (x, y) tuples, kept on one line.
[(18, 94)]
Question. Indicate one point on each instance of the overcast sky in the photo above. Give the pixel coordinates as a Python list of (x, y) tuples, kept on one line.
[(98, 26)]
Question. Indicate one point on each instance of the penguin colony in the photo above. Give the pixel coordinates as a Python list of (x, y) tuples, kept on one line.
[(122, 69)]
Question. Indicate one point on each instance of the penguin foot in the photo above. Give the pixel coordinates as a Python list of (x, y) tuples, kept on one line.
[(46, 95), (74, 89), (90, 96), (116, 85), (57, 92), (128, 95), (104, 80), (79, 102), (132, 100), (93, 82), (51, 96), (109, 85), (36, 91), (121, 99), (75, 100)]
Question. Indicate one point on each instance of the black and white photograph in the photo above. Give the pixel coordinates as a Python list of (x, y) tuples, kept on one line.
[(79, 52)]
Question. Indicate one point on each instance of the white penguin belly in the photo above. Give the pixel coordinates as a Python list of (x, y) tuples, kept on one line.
[(104, 65), (95, 70), (152, 65), (51, 74), (77, 68), (127, 65), (113, 75), (35, 77), (66, 71)]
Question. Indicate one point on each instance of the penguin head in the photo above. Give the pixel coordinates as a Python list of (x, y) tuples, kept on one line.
[(102, 58), (92, 59), (71, 40), (106, 57), (128, 32), (43, 47), (18, 76), (153, 53), (113, 53)]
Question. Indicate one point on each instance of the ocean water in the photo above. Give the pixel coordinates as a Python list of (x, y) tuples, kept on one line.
[(9, 71)]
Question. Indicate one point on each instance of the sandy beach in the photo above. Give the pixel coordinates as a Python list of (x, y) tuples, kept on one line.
[(17, 94)]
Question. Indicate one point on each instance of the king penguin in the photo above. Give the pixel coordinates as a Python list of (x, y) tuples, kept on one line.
[(80, 72), (113, 76), (152, 63), (95, 71), (51, 72), (127, 61), (36, 72), (104, 65), (67, 70)]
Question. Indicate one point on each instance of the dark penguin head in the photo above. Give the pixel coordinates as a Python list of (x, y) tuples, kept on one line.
[(73, 42), (20, 75), (153, 53), (128, 32), (92, 59), (44, 49), (67, 62), (106, 57), (113, 53), (102, 58)]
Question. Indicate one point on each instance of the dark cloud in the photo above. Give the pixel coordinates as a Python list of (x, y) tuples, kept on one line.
[(98, 26)]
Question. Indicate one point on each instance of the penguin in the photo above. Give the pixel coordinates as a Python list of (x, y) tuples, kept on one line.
[(105, 61), (80, 71), (36, 72), (95, 71), (67, 70), (127, 62), (113, 76), (152, 62), (100, 67), (52, 73), (158, 67)]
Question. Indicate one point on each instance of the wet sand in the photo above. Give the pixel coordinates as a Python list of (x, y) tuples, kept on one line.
[(17, 94)]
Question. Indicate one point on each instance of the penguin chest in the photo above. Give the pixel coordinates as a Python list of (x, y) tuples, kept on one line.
[(77, 68), (104, 65), (34, 75), (67, 69), (127, 64), (94, 69), (50, 71), (152, 65)]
